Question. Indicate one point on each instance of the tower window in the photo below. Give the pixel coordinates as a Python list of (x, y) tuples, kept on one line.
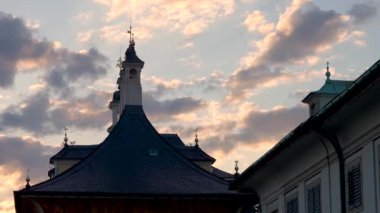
[(132, 73)]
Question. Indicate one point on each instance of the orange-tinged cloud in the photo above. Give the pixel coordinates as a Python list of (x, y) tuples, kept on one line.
[(256, 21), (187, 17)]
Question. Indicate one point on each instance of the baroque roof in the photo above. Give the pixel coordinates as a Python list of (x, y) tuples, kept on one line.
[(135, 160)]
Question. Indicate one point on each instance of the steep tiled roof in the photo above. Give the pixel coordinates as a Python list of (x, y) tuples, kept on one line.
[(73, 152), (135, 159), (173, 139), (194, 153)]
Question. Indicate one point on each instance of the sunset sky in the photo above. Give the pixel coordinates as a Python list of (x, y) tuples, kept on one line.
[(237, 70)]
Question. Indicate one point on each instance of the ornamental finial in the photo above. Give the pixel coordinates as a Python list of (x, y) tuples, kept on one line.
[(328, 74), (196, 137), (236, 169), (65, 139), (27, 186)]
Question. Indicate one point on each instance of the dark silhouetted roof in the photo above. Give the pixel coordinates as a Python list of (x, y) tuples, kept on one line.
[(130, 55), (73, 152), (134, 159), (173, 139), (222, 174), (193, 153)]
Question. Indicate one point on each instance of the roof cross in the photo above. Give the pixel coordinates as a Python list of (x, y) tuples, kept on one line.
[(131, 34)]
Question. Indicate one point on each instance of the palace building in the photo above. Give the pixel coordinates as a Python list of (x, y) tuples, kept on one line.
[(135, 169), (330, 162)]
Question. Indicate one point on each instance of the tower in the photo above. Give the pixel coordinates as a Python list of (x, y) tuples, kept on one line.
[(130, 77), (129, 82), (317, 100)]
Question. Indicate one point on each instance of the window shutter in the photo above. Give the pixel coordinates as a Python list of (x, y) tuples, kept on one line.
[(292, 206), (314, 199), (354, 186)]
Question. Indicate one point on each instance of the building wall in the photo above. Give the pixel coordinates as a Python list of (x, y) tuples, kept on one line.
[(273, 195)]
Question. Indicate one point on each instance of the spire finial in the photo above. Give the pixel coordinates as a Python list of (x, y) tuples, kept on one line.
[(328, 74), (196, 137), (236, 168), (27, 186), (131, 34), (65, 139)]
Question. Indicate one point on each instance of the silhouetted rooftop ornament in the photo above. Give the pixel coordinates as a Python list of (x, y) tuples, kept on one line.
[(131, 34), (196, 137), (130, 54), (27, 186), (119, 63), (65, 139), (236, 169), (328, 74)]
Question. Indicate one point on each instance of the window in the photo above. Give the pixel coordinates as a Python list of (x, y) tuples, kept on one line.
[(132, 73), (153, 152), (313, 197), (354, 185), (292, 203)]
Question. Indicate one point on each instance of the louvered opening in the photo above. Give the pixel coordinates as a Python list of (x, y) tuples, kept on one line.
[(354, 186), (314, 199), (292, 205)]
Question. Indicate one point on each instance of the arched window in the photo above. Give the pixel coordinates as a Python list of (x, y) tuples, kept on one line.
[(132, 73)]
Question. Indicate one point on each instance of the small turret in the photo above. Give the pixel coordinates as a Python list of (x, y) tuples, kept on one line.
[(318, 99)]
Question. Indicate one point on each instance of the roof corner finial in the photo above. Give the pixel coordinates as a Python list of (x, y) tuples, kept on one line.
[(328, 74), (27, 186), (236, 169), (196, 137), (65, 139)]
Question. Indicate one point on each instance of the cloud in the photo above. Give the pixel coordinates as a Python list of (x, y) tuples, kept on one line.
[(256, 127), (302, 32), (26, 153), (20, 51), (42, 114), (17, 155), (256, 21), (17, 44), (362, 12), (169, 108), (187, 17), (74, 67)]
